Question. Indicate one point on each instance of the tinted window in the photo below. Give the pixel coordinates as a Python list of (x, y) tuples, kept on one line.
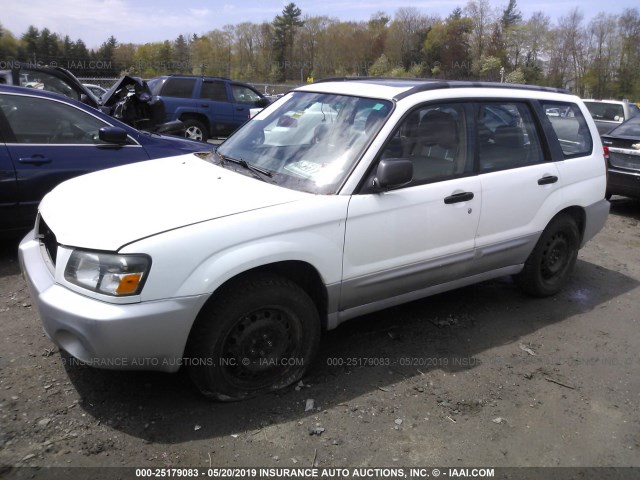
[(630, 128), (216, 91), (570, 127), (39, 120), (507, 137), (179, 87), (613, 112), (434, 137)]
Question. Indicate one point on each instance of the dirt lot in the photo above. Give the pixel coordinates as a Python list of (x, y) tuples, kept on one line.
[(481, 376)]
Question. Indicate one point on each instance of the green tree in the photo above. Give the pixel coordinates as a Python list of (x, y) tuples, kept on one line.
[(8, 45), (30, 43), (380, 67), (105, 55), (181, 55), (406, 36), (285, 27), (48, 46), (511, 16), (628, 84), (446, 48)]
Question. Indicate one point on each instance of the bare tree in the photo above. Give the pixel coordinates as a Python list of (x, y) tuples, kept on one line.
[(482, 16), (406, 36)]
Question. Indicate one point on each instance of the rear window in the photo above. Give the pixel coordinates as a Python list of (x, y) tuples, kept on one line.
[(612, 112), (630, 128), (571, 128), (179, 87)]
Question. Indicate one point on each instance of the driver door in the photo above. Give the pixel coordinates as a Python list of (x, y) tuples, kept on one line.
[(50, 141), (400, 242)]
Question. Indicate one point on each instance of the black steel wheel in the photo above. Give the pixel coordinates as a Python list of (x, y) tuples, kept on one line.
[(550, 264), (257, 335)]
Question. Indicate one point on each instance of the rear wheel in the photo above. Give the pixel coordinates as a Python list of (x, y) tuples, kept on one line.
[(550, 264), (195, 130), (258, 335)]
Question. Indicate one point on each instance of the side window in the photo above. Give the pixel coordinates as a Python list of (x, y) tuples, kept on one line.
[(435, 139), (571, 128), (214, 90), (43, 121), (45, 81), (179, 87), (242, 94), (507, 137)]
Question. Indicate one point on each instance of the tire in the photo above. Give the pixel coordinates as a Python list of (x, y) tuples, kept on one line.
[(195, 130), (549, 266), (258, 335)]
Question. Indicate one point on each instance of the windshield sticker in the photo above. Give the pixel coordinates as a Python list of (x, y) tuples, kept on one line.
[(304, 168), (378, 106)]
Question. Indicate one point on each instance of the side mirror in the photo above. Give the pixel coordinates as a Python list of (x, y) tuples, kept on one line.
[(263, 102), (393, 172), (115, 135)]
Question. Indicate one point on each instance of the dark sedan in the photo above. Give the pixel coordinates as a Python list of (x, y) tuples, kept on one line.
[(622, 151), (46, 138)]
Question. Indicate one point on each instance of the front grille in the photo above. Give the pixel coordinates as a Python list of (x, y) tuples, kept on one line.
[(624, 160), (48, 239)]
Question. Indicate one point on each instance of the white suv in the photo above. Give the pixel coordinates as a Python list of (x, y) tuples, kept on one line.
[(341, 198)]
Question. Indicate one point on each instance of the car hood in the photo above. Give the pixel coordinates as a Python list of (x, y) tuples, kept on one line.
[(108, 209), (120, 88)]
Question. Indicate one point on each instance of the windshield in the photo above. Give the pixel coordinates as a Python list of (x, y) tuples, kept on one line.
[(309, 141)]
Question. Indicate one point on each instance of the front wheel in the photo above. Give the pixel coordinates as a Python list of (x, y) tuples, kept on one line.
[(548, 267), (258, 335)]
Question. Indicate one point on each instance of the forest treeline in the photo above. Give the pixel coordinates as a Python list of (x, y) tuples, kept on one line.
[(598, 57)]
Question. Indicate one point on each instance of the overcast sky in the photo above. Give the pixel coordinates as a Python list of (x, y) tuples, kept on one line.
[(142, 21)]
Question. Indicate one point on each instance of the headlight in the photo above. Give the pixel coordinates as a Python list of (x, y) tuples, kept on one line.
[(110, 274)]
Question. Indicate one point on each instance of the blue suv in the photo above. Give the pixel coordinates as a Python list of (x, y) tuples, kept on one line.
[(208, 106)]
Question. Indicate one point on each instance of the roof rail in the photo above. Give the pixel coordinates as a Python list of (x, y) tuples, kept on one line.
[(425, 84)]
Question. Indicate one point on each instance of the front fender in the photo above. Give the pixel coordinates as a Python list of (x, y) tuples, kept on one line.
[(197, 259)]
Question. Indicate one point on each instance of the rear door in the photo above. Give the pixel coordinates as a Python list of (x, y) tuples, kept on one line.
[(520, 183), (178, 97), (216, 104), (50, 141)]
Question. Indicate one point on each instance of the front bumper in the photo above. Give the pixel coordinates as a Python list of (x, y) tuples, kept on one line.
[(138, 336)]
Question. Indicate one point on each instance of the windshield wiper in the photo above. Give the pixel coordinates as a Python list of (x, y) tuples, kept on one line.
[(258, 172)]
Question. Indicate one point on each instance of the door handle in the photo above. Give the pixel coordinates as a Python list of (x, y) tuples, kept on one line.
[(35, 160), (204, 105), (240, 109), (458, 197), (548, 180)]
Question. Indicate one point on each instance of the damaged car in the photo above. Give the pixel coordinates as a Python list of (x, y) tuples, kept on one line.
[(128, 100)]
